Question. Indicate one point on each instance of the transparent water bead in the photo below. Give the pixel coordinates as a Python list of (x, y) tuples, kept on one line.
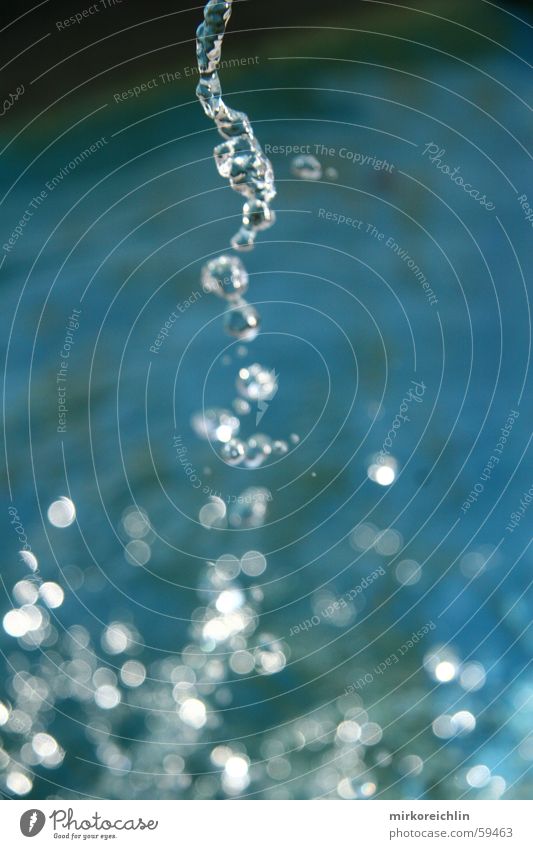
[(215, 424), (233, 452), (242, 321), (226, 276), (280, 447), (258, 450), (257, 383), (307, 167)]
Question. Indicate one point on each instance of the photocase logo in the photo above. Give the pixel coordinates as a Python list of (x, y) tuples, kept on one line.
[(264, 402), (32, 822)]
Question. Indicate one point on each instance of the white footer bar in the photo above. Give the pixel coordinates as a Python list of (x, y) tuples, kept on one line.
[(268, 824)]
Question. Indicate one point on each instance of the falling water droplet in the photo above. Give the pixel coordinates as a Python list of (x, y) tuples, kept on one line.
[(307, 167), (226, 276), (242, 321)]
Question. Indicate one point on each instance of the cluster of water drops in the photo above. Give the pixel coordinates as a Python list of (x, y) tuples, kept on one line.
[(239, 158), (227, 277)]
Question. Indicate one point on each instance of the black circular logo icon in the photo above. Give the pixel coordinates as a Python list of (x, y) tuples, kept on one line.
[(32, 822)]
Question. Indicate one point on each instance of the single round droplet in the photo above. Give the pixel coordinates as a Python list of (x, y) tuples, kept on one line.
[(226, 276), (62, 512), (29, 559), (257, 383), (279, 447), (253, 563), (307, 167), (242, 321), (241, 406), (215, 424), (258, 449), (294, 438), (233, 452), (383, 470), (213, 514)]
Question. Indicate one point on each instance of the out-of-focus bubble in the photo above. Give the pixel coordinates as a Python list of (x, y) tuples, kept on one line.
[(463, 722), (52, 594), (107, 696), (213, 514), (16, 623), (445, 671), (346, 790), (4, 713), (442, 664), (215, 425), (280, 448), (368, 788), (193, 712), (364, 536), (383, 470), (137, 552), (270, 656), (227, 567), (220, 755), (229, 601), (495, 788), (349, 731), (472, 564), (235, 777), (132, 673), (388, 542), (307, 167), (62, 512), (173, 764), (472, 677), (253, 563), (18, 782), (242, 662), (478, 776), (116, 638), (411, 765), (241, 407), (371, 733), (135, 522), (29, 559), (44, 745), (408, 572), (443, 727), (25, 592)]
